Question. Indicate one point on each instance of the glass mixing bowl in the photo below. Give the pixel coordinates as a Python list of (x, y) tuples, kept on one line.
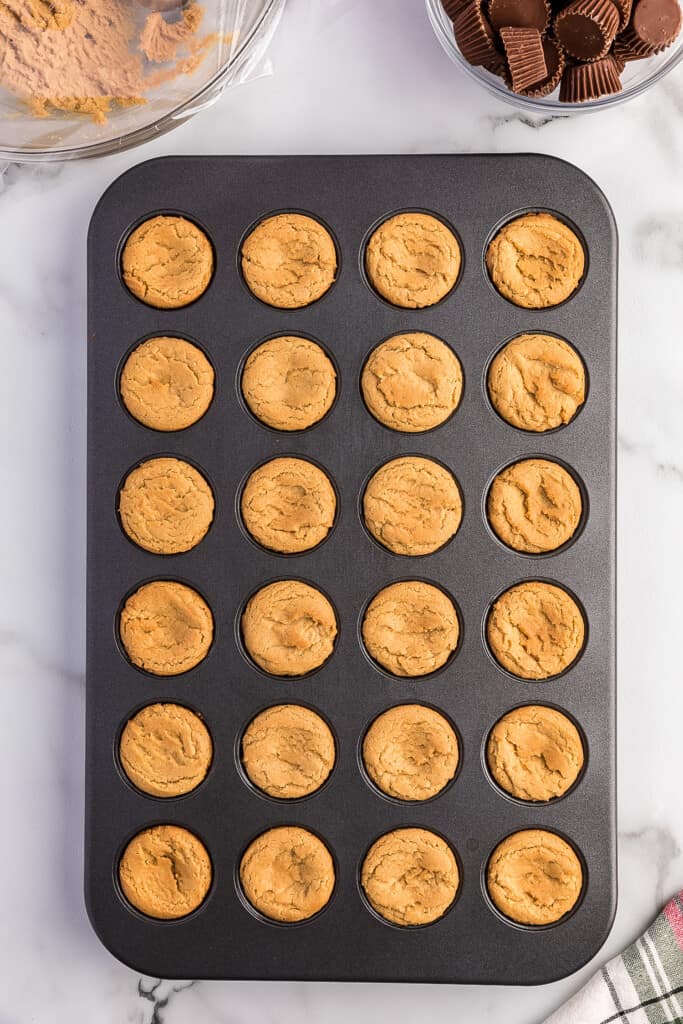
[(237, 33), (638, 77)]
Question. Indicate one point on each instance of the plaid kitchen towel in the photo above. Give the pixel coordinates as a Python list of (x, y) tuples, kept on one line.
[(642, 986)]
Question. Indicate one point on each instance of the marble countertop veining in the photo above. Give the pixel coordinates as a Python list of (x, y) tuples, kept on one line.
[(349, 76)]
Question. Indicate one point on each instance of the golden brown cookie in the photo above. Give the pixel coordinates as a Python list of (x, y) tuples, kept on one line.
[(288, 505), (534, 877), (413, 260), (534, 506), (411, 752), (289, 383), (412, 506), (289, 260), (289, 628), (537, 382), (167, 262), (167, 383), (166, 628), (165, 872), (411, 628), (535, 630), (166, 506), (287, 874), (412, 382), (165, 750), (535, 753), (410, 876), (288, 751), (536, 261)]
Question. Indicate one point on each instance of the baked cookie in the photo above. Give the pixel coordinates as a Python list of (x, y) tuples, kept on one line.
[(288, 751), (410, 876), (537, 382), (287, 874), (288, 505), (411, 628), (167, 384), (166, 628), (166, 506), (167, 262), (289, 628), (535, 630), (535, 753), (289, 383), (413, 260), (411, 752), (534, 877), (536, 261), (412, 506), (165, 872), (412, 382), (534, 506), (289, 260), (165, 750)]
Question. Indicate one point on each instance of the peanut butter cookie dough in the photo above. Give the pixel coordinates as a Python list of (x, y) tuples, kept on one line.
[(289, 260), (534, 877), (288, 505), (535, 630), (165, 872), (289, 383), (288, 751), (410, 876), (411, 752), (411, 628), (412, 382), (166, 506), (537, 382), (289, 628), (412, 506), (166, 628), (413, 260), (535, 753), (287, 874), (167, 262), (165, 750), (167, 384), (534, 506), (536, 261)]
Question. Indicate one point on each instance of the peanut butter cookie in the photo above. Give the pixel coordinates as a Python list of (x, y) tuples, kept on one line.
[(412, 382), (534, 877), (535, 753), (166, 506), (537, 382), (411, 628), (288, 505), (287, 874), (289, 628), (535, 630), (289, 383), (166, 628), (412, 506), (167, 383), (413, 260), (411, 752), (165, 750), (289, 260), (410, 876), (536, 261), (167, 262), (534, 506), (288, 751), (165, 872)]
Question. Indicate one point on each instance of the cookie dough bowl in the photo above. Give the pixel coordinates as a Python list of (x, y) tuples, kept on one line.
[(224, 937)]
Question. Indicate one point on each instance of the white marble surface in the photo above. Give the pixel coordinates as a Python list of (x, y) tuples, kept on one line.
[(349, 76)]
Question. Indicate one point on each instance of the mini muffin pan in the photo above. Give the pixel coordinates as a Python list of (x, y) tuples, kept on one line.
[(224, 938)]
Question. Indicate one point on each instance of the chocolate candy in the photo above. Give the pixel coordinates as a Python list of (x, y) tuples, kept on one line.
[(525, 58), (476, 39), (582, 82), (586, 29), (519, 14)]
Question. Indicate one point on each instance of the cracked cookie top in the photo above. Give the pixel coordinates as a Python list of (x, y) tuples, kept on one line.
[(165, 872), (534, 506), (288, 505), (287, 874), (535, 630), (413, 260), (288, 751), (289, 628), (534, 877), (289, 383), (535, 753), (167, 383), (166, 506), (411, 628), (536, 261), (411, 752), (289, 260), (166, 628), (165, 750), (167, 262)]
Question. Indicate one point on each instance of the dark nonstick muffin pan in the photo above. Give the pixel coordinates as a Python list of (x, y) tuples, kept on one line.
[(224, 938)]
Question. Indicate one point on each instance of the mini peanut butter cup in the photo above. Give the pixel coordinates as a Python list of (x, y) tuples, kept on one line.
[(624, 7), (476, 39), (519, 14), (586, 28), (555, 64), (654, 26), (525, 58), (583, 82), (454, 7)]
